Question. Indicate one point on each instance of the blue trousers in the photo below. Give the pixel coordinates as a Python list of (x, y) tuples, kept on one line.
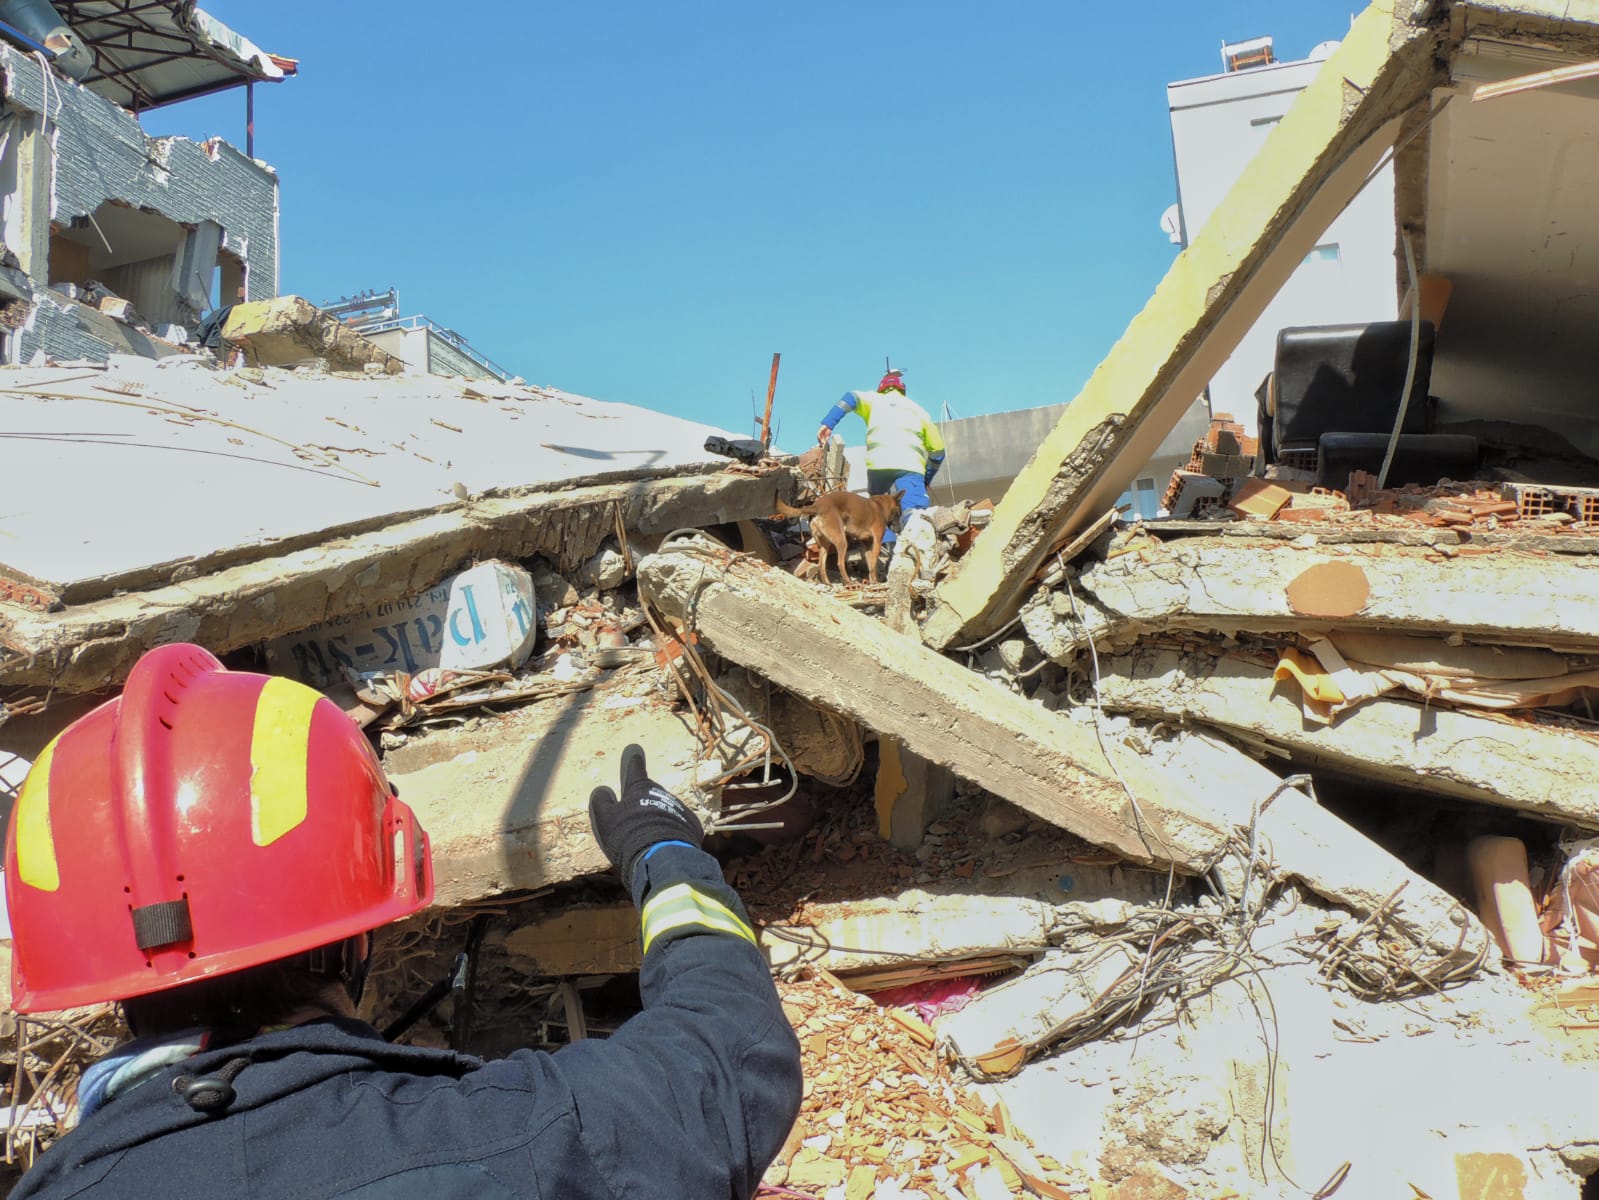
[(912, 483)]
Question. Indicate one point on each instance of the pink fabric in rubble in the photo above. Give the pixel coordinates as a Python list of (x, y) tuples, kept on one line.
[(935, 998)]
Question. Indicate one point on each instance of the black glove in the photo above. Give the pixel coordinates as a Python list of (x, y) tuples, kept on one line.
[(646, 814)]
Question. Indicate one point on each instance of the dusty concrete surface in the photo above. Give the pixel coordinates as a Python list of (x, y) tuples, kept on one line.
[(1406, 1094), (505, 802), (801, 639), (1229, 584), (1132, 797), (284, 460), (92, 645), (1483, 757)]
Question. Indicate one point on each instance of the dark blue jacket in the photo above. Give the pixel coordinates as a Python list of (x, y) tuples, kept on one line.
[(691, 1098)]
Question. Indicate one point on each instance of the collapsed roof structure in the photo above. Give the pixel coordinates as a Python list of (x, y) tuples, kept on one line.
[(1152, 774)]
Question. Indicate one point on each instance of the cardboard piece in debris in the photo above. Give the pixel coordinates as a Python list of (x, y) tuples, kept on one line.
[(483, 617)]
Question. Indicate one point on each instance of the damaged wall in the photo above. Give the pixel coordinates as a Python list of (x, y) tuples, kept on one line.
[(100, 155)]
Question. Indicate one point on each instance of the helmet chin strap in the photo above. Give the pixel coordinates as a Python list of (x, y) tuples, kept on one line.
[(348, 961), (355, 965)]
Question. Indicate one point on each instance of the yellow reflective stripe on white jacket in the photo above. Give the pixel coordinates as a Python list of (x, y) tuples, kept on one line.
[(680, 905)]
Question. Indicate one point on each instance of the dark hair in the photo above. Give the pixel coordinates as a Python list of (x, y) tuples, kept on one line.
[(242, 1001)]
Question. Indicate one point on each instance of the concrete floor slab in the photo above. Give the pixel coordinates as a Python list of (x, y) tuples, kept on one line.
[(505, 801), (110, 471)]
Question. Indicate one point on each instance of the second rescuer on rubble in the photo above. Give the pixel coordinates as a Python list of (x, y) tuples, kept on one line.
[(904, 449), (212, 847)]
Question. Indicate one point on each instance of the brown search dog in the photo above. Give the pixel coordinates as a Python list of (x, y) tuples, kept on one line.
[(839, 518)]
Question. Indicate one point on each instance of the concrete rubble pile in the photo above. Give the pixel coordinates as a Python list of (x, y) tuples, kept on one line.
[(1241, 852)]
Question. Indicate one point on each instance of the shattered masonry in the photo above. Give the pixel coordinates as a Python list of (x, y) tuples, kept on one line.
[(78, 153)]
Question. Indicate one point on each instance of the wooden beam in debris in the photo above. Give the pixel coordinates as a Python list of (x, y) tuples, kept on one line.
[(92, 646), (1054, 766), (1228, 584), (1314, 161), (1491, 759)]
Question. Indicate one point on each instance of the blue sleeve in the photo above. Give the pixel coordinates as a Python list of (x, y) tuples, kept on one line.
[(934, 461), (695, 1095), (840, 410)]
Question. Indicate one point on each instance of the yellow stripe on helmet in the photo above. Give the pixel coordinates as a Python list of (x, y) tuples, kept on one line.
[(280, 748), (681, 905), (36, 843)]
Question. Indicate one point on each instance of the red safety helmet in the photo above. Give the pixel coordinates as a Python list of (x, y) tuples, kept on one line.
[(203, 822), (892, 380)]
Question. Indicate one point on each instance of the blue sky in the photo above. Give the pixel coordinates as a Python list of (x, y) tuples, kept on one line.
[(642, 201)]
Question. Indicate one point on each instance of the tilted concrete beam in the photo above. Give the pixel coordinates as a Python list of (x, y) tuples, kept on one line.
[(1057, 766), (1311, 165)]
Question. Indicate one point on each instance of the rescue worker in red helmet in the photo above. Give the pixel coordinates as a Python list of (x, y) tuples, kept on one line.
[(211, 849), (904, 449)]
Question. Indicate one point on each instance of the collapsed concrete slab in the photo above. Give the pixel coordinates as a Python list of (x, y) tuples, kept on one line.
[(290, 329), (1232, 584), (1133, 795), (506, 808), (91, 646), (802, 640), (286, 460), (578, 939), (1309, 167), (1490, 759), (1273, 1084), (397, 483)]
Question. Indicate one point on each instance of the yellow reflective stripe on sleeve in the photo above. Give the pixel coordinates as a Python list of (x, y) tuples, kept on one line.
[(680, 905), (36, 843), (280, 747), (931, 438)]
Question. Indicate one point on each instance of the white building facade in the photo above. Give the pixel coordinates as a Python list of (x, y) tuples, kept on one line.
[(1218, 122)]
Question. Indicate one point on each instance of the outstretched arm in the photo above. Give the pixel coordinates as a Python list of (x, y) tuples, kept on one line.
[(695, 1095), (837, 413)]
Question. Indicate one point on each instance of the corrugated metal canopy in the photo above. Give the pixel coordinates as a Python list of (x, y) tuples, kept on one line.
[(153, 52)]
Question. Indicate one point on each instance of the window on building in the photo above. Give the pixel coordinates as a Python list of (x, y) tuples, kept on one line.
[(1325, 253), (1145, 502), (1140, 502)]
